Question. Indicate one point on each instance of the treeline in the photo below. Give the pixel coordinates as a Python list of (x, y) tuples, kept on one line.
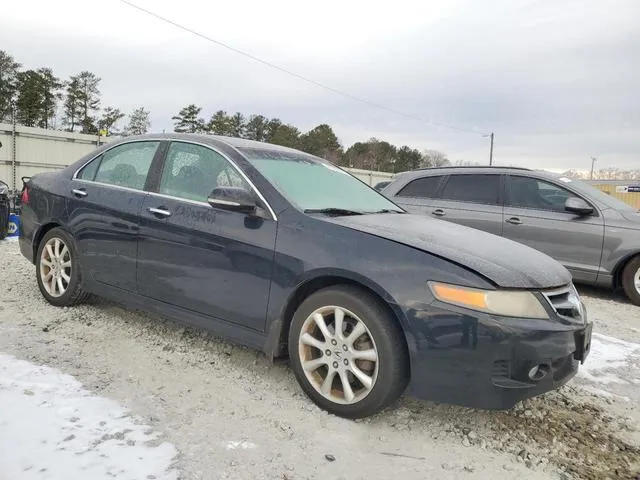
[(611, 173), (38, 98), (374, 154)]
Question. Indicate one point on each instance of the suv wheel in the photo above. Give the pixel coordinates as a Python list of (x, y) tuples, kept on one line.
[(631, 280)]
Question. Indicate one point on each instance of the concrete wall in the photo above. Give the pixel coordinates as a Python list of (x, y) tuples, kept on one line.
[(27, 151)]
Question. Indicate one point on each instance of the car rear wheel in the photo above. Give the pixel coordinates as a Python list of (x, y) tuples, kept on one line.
[(631, 280), (347, 352), (57, 269)]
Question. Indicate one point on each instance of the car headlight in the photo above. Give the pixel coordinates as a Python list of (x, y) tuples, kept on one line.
[(507, 303)]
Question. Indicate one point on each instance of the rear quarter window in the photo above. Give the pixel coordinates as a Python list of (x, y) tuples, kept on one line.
[(425, 187)]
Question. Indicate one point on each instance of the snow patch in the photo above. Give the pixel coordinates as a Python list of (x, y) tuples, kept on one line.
[(607, 358), (50, 427), (239, 445)]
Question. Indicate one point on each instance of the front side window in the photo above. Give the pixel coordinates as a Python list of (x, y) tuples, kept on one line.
[(125, 165), (311, 183), (537, 194), (193, 171), (472, 188), (424, 187)]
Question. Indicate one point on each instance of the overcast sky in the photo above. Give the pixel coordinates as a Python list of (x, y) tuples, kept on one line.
[(557, 80)]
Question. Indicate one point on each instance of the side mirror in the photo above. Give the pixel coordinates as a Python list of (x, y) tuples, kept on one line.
[(578, 206), (234, 199)]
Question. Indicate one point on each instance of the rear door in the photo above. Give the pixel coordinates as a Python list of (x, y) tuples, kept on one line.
[(473, 200), (192, 255), (104, 206), (535, 215)]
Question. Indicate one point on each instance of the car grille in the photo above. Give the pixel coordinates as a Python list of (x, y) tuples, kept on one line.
[(566, 303)]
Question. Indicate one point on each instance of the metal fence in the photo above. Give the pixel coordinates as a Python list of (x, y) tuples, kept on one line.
[(26, 151), (626, 190)]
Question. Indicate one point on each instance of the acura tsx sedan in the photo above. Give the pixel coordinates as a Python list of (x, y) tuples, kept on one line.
[(287, 253)]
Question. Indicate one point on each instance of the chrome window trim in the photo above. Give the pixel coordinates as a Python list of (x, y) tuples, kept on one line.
[(152, 139), (118, 187)]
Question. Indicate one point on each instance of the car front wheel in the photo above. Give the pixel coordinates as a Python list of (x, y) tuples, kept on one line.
[(58, 270), (631, 280), (347, 352)]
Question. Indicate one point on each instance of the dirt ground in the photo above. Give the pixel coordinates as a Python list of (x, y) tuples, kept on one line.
[(231, 414)]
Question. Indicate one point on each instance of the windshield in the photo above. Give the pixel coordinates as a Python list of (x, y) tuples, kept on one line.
[(311, 183), (597, 194)]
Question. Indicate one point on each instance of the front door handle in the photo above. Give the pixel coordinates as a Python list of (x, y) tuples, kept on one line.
[(438, 212), (514, 221), (79, 192), (160, 212)]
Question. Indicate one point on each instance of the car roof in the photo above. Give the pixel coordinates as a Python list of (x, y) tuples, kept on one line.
[(474, 169), (212, 140)]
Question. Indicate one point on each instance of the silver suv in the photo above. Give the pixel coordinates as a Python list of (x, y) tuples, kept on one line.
[(594, 235)]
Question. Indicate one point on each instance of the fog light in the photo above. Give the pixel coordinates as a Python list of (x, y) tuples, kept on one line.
[(538, 372)]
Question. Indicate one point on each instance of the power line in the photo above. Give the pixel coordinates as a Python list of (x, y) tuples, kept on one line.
[(297, 75)]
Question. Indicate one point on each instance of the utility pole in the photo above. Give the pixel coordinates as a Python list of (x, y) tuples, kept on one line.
[(593, 162), (491, 150)]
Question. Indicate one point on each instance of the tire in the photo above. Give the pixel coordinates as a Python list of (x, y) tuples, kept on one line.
[(373, 384), (61, 268), (631, 280)]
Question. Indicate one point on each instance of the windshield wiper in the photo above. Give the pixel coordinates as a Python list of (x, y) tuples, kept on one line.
[(386, 210), (333, 211)]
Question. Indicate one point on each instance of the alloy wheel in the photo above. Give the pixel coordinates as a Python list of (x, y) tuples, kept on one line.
[(55, 267), (338, 355)]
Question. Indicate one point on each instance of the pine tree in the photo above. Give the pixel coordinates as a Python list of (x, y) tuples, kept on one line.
[(8, 84), (188, 120), (109, 119), (50, 86), (72, 104), (139, 122), (219, 123)]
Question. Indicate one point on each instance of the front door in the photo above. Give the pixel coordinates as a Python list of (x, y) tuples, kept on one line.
[(104, 206), (200, 258), (534, 215)]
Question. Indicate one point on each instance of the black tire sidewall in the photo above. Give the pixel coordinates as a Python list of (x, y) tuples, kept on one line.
[(74, 285), (393, 367), (628, 274)]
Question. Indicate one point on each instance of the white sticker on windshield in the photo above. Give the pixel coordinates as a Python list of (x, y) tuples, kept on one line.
[(565, 179)]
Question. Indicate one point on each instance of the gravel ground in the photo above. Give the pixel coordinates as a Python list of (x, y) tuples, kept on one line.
[(231, 414)]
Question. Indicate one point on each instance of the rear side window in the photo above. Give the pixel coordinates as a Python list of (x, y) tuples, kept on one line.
[(124, 166), (472, 188), (424, 187)]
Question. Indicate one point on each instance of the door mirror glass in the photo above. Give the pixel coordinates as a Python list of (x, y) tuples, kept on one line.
[(235, 199), (578, 206)]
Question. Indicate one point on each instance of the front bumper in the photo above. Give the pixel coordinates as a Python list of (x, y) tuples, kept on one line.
[(483, 361)]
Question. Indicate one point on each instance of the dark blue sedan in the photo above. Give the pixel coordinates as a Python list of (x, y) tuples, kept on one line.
[(282, 251)]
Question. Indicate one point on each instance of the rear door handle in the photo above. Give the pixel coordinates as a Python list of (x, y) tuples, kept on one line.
[(160, 212), (79, 192), (514, 220), (438, 212)]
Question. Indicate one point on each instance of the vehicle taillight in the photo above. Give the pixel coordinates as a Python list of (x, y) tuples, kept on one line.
[(24, 198)]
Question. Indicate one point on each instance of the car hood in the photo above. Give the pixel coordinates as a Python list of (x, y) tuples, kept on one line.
[(504, 262)]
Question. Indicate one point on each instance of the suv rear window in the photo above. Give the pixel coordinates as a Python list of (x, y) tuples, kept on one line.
[(472, 188), (424, 187)]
